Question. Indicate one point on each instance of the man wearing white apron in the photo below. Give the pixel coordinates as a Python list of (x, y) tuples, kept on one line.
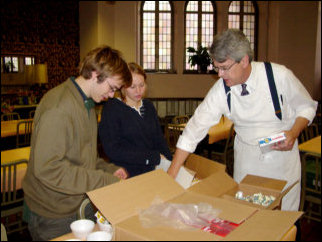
[(252, 111)]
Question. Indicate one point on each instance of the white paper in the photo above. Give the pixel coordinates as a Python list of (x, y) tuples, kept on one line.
[(184, 177)]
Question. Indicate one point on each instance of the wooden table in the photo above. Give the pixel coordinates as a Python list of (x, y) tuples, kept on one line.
[(217, 132), (312, 146), (16, 154), (220, 131), (9, 128)]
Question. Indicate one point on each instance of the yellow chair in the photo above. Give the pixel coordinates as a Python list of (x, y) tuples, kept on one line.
[(24, 131), (12, 199), (10, 116), (311, 187)]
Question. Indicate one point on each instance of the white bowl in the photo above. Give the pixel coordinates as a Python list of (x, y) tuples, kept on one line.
[(81, 228), (99, 236), (104, 226)]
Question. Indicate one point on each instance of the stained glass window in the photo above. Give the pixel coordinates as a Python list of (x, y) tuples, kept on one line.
[(156, 35), (243, 15), (199, 27)]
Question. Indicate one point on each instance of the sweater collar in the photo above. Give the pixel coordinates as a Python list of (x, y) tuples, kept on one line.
[(88, 102)]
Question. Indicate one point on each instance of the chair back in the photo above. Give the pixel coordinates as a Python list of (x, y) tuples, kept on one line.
[(311, 186), (9, 181), (10, 116), (32, 114), (180, 119), (308, 133), (24, 131), (12, 200), (173, 131)]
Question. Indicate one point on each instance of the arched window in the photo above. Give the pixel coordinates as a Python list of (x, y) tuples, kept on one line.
[(243, 15), (156, 36), (200, 27)]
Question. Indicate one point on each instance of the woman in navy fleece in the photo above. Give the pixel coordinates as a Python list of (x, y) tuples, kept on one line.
[(130, 131)]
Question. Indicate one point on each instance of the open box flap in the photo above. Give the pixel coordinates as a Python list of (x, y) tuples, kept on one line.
[(203, 166), (280, 197), (267, 225), (214, 185), (124, 199), (265, 182)]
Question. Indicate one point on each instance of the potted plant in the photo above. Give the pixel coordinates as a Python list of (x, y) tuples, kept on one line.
[(200, 58)]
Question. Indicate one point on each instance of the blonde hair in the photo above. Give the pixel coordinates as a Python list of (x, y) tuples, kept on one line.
[(134, 68)]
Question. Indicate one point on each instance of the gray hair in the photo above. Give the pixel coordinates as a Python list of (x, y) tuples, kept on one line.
[(232, 44)]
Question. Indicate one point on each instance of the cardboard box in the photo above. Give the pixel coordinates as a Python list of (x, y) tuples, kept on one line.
[(213, 175), (121, 203), (265, 144)]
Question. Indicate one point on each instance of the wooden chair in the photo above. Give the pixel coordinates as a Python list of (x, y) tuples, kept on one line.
[(180, 119), (10, 116), (12, 200), (32, 114), (172, 134), (308, 133), (23, 139), (311, 187)]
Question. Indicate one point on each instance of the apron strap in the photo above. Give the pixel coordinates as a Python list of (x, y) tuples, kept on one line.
[(272, 87), (227, 90)]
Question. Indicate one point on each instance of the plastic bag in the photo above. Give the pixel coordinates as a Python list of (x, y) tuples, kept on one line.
[(179, 216)]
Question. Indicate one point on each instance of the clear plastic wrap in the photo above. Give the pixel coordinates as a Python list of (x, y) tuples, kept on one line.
[(179, 216)]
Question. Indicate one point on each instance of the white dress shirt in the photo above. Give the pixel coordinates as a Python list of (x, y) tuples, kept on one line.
[(254, 118)]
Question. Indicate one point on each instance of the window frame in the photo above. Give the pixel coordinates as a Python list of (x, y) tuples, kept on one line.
[(21, 62), (156, 11), (241, 14), (185, 71)]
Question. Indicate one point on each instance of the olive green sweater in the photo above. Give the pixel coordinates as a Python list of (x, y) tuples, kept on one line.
[(64, 163)]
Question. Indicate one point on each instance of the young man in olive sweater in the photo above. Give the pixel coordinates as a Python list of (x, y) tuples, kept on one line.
[(64, 163)]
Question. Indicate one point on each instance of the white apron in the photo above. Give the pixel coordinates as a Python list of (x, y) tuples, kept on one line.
[(253, 116)]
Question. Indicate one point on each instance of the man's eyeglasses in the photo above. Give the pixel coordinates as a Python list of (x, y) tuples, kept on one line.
[(224, 68), (112, 89)]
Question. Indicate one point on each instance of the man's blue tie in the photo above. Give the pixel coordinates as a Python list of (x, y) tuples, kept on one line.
[(244, 91)]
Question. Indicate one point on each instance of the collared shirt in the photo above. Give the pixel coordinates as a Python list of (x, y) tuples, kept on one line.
[(253, 115), (140, 110)]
